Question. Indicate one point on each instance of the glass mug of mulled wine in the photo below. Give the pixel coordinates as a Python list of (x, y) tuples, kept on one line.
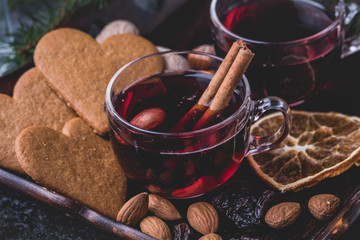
[(188, 163), (297, 43)]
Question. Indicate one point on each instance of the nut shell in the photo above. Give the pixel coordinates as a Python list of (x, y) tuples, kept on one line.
[(134, 209), (117, 27), (282, 214), (173, 62), (163, 208), (323, 206), (155, 227), (203, 217)]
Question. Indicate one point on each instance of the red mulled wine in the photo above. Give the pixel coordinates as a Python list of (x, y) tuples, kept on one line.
[(294, 55), (186, 166), (277, 20)]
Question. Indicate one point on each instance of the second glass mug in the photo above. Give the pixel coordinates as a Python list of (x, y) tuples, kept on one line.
[(297, 43), (185, 164)]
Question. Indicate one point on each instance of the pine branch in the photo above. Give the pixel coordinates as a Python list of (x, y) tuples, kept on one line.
[(48, 15)]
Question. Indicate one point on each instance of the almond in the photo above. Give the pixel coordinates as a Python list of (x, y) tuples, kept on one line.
[(155, 227), (211, 236), (163, 208), (134, 209), (282, 214), (149, 118), (203, 217), (323, 206)]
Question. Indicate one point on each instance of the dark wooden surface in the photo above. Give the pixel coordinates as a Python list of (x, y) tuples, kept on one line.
[(22, 217)]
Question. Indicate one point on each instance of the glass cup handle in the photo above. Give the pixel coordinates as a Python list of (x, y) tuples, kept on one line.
[(351, 43), (261, 144)]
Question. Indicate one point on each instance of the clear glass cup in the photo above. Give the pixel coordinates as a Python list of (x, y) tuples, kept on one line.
[(297, 43), (191, 163)]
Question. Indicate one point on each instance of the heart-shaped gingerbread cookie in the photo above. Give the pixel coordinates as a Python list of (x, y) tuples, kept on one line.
[(78, 68), (33, 103), (76, 163)]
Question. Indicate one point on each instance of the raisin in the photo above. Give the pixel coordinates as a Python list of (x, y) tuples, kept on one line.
[(182, 231), (226, 197), (267, 199), (243, 214), (241, 206)]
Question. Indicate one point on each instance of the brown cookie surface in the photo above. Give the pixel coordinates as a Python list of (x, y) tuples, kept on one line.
[(76, 163), (33, 103), (78, 68)]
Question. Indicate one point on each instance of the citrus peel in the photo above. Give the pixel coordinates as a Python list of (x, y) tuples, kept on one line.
[(319, 145)]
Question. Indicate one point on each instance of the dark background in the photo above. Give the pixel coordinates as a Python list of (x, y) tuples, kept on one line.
[(178, 25)]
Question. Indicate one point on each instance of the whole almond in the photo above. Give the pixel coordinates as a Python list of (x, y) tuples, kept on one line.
[(155, 227), (203, 217), (149, 118), (211, 236), (163, 208), (323, 206), (134, 209), (282, 214)]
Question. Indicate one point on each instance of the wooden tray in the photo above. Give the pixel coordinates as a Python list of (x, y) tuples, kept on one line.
[(346, 186), (177, 32)]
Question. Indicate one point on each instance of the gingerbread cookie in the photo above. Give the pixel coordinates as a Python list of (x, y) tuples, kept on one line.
[(33, 103), (78, 68), (76, 163)]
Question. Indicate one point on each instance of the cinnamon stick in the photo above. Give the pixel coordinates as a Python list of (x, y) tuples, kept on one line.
[(202, 105), (227, 87)]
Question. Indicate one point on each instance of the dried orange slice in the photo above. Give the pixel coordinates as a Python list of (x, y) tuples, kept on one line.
[(319, 145)]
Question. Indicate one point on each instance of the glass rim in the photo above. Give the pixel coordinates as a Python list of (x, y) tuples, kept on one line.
[(111, 109), (216, 22)]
